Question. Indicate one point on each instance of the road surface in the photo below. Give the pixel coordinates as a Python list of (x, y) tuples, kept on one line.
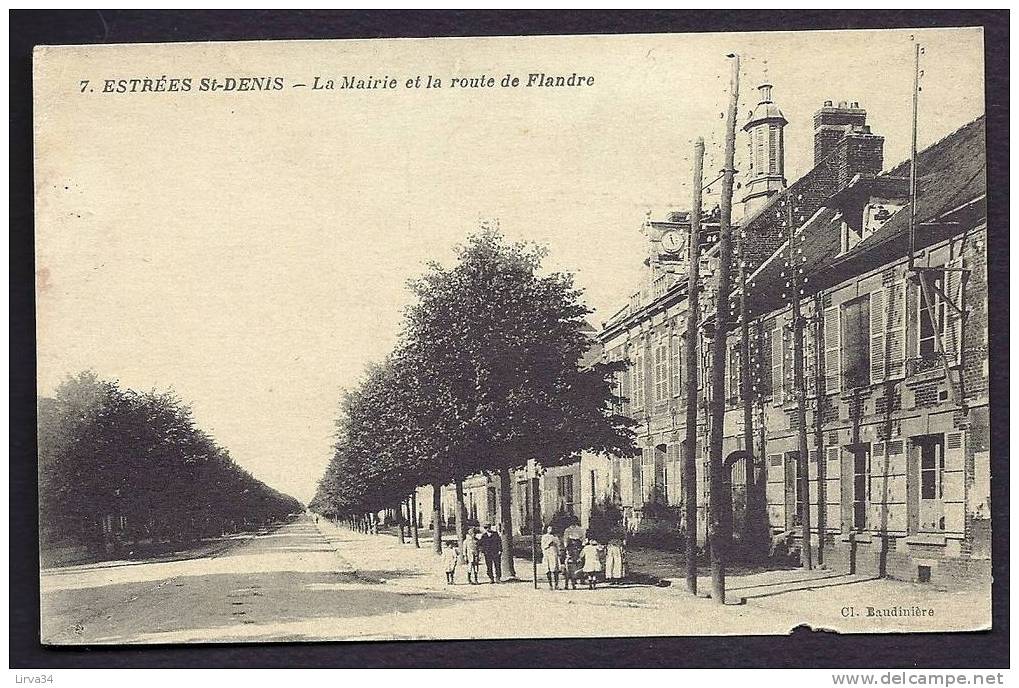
[(308, 581)]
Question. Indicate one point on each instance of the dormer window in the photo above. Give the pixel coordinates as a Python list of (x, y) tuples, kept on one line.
[(874, 217), (850, 237)]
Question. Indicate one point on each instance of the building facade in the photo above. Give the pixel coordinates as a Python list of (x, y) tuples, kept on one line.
[(895, 362)]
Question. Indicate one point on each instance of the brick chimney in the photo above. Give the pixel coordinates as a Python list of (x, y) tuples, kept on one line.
[(843, 139)]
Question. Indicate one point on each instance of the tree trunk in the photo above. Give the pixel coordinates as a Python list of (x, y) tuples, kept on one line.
[(437, 517), (414, 517), (506, 519), (461, 527)]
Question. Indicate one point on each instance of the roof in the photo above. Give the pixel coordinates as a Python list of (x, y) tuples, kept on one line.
[(950, 175)]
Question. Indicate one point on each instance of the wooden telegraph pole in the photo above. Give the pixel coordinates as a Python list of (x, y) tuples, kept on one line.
[(754, 515), (716, 536), (689, 472), (795, 284)]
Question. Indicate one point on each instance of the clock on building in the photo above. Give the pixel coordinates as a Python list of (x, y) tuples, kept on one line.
[(672, 241)]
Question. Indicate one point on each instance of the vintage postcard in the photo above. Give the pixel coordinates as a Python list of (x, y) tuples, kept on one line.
[(558, 336)]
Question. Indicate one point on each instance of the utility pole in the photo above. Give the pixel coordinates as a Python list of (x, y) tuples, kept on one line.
[(689, 472), (795, 283), (535, 497), (716, 536), (754, 515), (912, 157), (819, 401)]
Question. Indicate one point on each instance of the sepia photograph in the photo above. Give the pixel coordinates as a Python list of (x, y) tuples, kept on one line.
[(564, 336)]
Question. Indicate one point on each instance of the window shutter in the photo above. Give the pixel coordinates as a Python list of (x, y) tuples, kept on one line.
[(810, 361), (875, 470), (728, 375), (878, 323), (955, 451), (832, 350), (638, 380), (952, 335), (626, 483), (624, 387), (875, 486), (895, 301), (656, 359), (788, 374), (677, 366), (777, 354), (953, 483)]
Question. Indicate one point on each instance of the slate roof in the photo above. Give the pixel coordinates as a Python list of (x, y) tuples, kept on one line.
[(950, 173)]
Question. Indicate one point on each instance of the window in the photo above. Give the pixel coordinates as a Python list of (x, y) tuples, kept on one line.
[(624, 391), (930, 320), (665, 473), (564, 488), (734, 375), (524, 500), (856, 342), (861, 484), (793, 497), (594, 484), (661, 371), (779, 338), (491, 505), (638, 478), (764, 366), (638, 380), (617, 391), (760, 151), (931, 467), (773, 148), (678, 382)]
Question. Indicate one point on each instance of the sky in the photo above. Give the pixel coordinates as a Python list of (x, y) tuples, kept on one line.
[(251, 250)]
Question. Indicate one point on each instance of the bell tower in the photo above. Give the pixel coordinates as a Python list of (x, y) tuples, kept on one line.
[(766, 176)]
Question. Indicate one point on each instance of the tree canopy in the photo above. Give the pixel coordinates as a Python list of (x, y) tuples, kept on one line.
[(492, 369), (105, 451)]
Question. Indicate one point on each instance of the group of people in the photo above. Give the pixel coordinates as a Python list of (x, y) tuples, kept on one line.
[(580, 559), (572, 558), (486, 544)]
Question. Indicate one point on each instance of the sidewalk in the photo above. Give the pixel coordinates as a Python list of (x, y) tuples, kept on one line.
[(765, 602)]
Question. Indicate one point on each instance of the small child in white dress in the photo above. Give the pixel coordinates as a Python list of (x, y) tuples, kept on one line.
[(450, 557)]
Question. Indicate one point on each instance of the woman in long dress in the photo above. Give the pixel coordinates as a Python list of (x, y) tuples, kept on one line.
[(615, 562), (550, 557)]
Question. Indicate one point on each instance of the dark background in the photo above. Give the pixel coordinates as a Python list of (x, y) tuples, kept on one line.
[(803, 648)]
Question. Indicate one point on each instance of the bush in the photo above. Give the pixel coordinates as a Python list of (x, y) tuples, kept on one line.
[(656, 507), (562, 520), (606, 521)]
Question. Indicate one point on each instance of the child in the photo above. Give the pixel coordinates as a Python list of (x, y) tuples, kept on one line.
[(449, 558), (571, 563), (592, 562)]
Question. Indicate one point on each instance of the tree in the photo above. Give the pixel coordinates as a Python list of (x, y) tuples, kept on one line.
[(501, 348), (138, 457)]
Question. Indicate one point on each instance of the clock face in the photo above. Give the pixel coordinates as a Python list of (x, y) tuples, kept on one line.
[(672, 241)]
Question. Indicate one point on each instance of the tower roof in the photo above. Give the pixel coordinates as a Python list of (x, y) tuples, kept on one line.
[(766, 110)]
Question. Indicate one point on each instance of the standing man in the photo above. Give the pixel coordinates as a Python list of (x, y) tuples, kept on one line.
[(491, 547)]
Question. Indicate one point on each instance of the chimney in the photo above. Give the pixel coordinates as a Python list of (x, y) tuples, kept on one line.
[(832, 123)]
